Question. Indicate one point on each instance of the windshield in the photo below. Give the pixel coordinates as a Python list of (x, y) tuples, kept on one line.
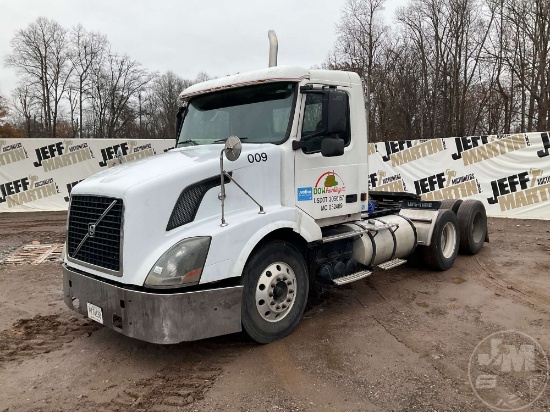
[(256, 114)]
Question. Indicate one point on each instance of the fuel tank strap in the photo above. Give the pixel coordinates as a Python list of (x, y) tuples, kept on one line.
[(365, 228)]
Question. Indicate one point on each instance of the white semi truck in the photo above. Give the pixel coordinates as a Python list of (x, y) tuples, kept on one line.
[(264, 198)]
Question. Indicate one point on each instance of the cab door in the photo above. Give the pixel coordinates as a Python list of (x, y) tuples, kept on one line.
[(326, 186)]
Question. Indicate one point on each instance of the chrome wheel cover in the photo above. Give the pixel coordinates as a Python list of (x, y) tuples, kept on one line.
[(275, 292)]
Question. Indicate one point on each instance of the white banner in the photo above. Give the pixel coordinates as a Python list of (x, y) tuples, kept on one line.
[(38, 174), (509, 174)]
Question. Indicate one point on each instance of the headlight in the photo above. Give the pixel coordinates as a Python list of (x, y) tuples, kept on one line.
[(181, 265)]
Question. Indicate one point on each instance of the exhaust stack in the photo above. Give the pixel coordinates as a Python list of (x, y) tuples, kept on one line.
[(273, 48)]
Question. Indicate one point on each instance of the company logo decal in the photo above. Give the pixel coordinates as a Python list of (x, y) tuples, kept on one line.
[(61, 154), (327, 191), (476, 149), (26, 190), (11, 153), (305, 193), (404, 151), (447, 185), (130, 151), (380, 182), (519, 190)]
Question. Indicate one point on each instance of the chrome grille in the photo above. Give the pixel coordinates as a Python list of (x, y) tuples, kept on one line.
[(99, 245)]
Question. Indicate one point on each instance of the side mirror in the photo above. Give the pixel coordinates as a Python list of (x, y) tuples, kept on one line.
[(233, 148), (332, 146)]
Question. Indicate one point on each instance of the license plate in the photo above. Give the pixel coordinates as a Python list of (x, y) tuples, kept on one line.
[(94, 313)]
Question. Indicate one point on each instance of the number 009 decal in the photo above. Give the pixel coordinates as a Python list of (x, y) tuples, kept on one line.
[(257, 157)]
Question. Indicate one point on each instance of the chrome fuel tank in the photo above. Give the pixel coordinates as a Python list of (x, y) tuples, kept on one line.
[(391, 237)]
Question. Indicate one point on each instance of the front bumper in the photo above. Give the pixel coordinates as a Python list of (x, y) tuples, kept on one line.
[(155, 317)]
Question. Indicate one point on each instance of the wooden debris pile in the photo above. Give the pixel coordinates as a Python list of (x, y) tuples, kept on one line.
[(36, 253)]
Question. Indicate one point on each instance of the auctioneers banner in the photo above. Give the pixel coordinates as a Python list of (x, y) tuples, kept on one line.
[(38, 174), (509, 174)]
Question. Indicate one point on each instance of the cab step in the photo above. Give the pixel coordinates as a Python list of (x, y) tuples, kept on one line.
[(390, 264), (351, 278)]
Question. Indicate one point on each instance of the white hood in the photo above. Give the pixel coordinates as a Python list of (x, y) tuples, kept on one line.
[(150, 188), (117, 180)]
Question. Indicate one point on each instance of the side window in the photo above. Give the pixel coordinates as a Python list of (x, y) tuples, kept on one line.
[(312, 114), (312, 123)]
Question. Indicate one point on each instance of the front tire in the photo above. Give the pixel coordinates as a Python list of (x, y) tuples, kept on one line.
[(275, 292)]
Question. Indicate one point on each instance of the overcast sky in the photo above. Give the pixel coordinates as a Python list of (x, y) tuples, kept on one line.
[(218, 37)]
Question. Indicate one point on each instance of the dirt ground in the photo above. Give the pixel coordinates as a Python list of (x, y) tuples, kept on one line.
[(399, 340)]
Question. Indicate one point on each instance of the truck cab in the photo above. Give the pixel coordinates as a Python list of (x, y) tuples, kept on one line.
[(263, 199)]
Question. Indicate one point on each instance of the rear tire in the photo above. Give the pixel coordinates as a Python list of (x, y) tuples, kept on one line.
[(452, 204), (441, 253), (276, 288), (472, 221)]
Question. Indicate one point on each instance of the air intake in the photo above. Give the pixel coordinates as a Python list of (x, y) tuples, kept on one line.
[(189, 201)]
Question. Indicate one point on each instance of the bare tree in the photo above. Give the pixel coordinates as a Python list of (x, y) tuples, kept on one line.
[(528, 57), (41, 55), (88, 47), (3, 109), (115, 83), (165, 92), (25, 102), (361, 36)]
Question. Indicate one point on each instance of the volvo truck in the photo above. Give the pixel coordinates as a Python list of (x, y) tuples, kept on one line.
[(263, 200)]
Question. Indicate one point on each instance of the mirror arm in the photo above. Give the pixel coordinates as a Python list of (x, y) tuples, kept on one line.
[(232, 150), (261, 212), (222, 194)]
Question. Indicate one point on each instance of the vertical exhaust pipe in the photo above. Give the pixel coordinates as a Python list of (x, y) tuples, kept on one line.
[(273, 48)]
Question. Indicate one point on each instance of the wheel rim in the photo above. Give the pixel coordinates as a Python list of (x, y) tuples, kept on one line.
[(275, 292), (448, 240), (477, 228)]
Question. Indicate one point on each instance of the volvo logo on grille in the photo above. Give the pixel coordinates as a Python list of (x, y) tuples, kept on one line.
[(92, 227)]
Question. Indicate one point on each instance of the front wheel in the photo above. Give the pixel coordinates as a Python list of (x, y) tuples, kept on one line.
[(275, 292)]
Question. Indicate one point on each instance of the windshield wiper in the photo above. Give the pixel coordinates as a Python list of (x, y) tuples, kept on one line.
[(189, 141), (223, 140)]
